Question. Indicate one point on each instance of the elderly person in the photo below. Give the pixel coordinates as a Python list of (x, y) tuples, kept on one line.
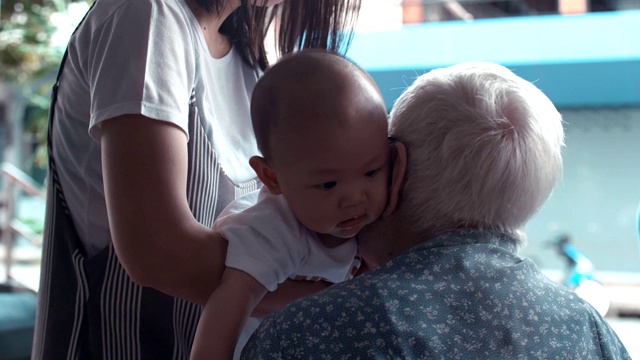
[(482, 152)]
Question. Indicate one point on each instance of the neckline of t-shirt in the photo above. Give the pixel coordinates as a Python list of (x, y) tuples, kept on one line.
[(195, 28)]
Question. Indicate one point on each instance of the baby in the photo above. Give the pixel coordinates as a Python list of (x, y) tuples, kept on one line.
[(321, 126)]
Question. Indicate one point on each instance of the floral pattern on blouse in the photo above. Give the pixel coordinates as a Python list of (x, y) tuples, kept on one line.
[(463, 295)]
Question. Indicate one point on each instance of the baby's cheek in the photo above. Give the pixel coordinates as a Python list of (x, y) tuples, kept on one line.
[(324, 219)]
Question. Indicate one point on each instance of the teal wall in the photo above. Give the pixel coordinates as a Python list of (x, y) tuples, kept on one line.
[(597, 200), (581, 60)]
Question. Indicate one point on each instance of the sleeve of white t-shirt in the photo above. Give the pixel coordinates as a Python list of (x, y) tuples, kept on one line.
[(142, 61), (269, 243), (265, 240)]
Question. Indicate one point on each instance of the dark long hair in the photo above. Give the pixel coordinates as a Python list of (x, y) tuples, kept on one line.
[(301, 24)]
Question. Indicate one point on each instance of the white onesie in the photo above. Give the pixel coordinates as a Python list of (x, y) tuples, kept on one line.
[(270, 244)]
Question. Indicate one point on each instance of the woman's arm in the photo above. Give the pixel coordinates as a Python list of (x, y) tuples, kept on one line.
[(225, 315), (156, 238)]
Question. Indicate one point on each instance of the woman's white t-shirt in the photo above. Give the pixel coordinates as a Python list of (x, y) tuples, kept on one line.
[(144, 57)]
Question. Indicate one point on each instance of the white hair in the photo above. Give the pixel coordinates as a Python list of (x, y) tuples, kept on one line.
[(484, 149)]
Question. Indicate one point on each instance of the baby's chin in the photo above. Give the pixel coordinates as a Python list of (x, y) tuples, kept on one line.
[(338, 233), (349, 233), (331, 240)]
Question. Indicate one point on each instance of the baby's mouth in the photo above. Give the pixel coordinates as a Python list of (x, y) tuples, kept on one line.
[(350, 223)]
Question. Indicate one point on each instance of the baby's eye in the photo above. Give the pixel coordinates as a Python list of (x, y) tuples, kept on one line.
[(327, 185), (372, 173)]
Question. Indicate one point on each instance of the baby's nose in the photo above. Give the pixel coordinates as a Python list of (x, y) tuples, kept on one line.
[(353, 197)]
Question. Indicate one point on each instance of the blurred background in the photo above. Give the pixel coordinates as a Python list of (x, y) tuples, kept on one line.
[(584, 54)]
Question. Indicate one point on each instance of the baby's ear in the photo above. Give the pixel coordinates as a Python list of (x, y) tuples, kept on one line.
[(399, 162), (265, 174)]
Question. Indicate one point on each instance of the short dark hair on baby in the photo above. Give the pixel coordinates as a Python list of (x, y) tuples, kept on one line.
[(304, 82)]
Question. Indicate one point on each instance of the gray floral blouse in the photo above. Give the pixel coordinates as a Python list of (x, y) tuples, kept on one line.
[(463, 295)]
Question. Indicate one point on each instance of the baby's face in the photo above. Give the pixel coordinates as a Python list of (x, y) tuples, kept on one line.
[(335, 179)]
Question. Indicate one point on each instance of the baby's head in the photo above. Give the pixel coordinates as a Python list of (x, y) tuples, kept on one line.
[(483, 149), (321, 125)]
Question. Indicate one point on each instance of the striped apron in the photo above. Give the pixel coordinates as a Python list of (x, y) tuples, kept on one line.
[(88, 308)]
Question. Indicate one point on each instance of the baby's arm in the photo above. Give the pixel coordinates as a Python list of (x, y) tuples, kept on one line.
[(287, 292), (225, 314)]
